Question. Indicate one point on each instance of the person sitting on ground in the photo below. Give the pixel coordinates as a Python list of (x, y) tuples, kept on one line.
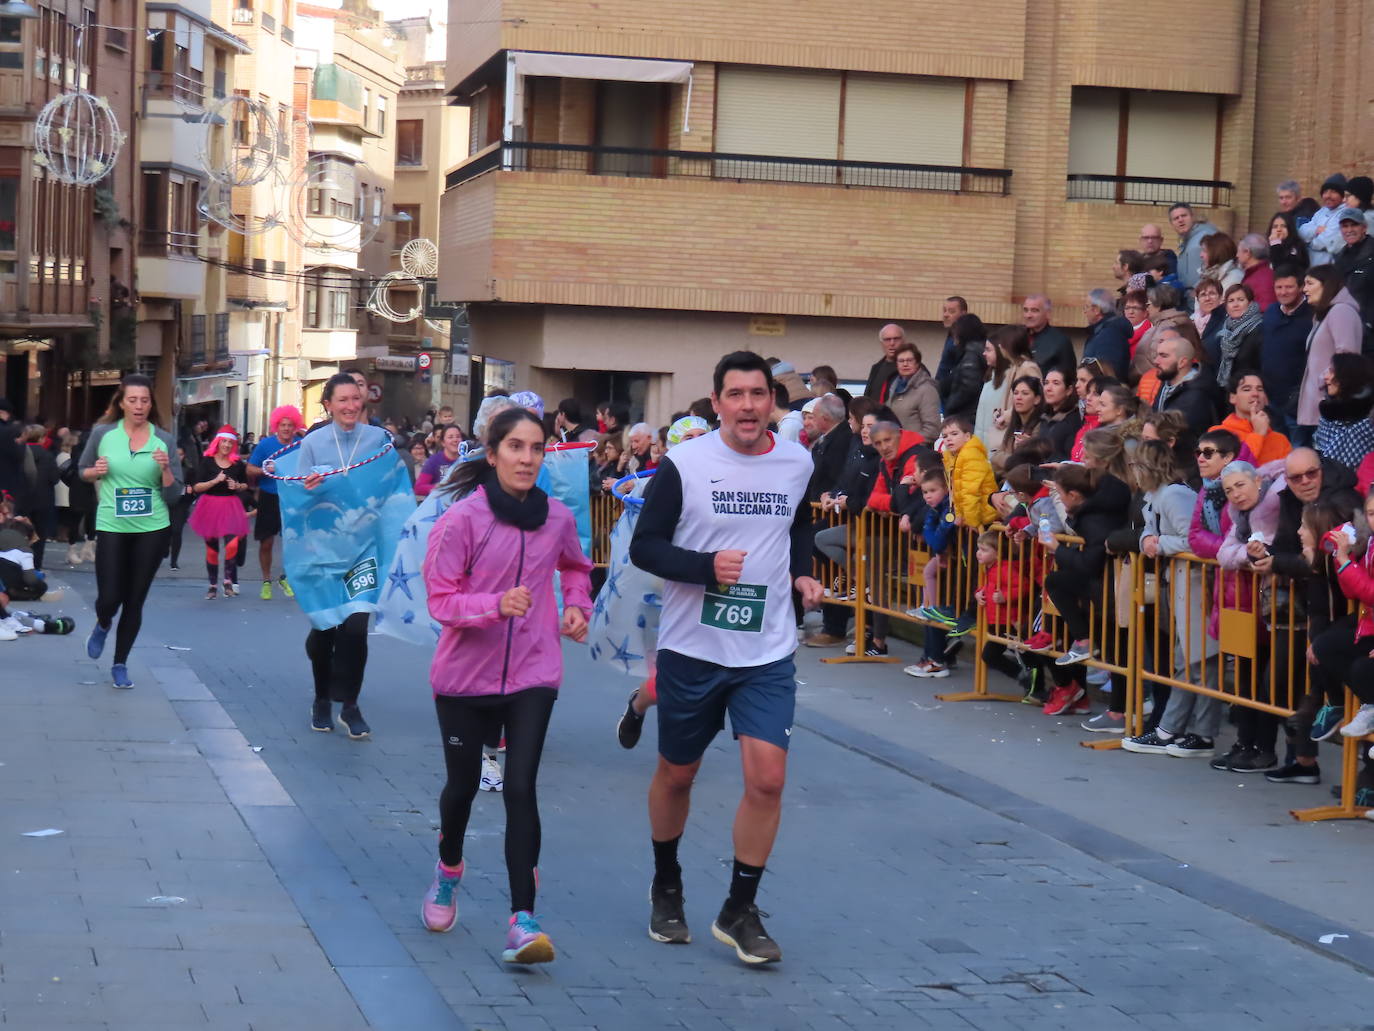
[(1250, 420)]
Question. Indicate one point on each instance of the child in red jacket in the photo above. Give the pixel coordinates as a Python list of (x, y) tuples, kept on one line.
[(1004, 585)]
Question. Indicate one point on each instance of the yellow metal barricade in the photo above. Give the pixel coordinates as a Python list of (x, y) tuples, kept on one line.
[(869, 574), (605, 511)]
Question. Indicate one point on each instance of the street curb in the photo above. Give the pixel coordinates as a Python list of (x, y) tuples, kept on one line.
[(374, 967), (1282, 918)]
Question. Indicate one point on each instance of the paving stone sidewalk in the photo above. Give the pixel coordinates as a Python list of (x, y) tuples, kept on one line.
[(897, 904), (154, 906)]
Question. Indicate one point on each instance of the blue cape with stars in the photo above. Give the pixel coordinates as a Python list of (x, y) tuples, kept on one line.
[(624, 625), (338, 539), (403, 609)]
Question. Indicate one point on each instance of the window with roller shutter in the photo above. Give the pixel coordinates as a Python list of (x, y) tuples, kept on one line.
[(905, 120), (777, 113)]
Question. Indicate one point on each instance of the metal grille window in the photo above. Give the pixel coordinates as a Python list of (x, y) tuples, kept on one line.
[(198, 339), (221, 336)]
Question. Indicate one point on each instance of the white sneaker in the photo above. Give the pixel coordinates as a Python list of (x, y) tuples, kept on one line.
[(1078, 652), (15, 627), (927, 668), (491, 774), (6, 634), (1362, 724), (849, 648)]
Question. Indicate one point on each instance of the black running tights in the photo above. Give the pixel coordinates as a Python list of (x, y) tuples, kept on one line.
[(463, 726), (338, 659), (125, 564), (234, 549)]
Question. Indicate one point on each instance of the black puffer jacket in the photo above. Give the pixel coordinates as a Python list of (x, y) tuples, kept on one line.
[(967, 381), (1107, 509)]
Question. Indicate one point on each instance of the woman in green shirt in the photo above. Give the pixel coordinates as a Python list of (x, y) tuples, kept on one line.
[(129, 458)]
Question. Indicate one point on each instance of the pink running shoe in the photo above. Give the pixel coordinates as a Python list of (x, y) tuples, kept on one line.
[(439, 911), (525, 942)]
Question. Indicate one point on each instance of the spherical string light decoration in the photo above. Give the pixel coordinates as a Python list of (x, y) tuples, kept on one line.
[(77, 138), (333, 207), (216, 204), (238, 144)]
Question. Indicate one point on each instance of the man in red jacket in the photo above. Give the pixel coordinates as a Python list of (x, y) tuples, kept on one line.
[(1252, 254)]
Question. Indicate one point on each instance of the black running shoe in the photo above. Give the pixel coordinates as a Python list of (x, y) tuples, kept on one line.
[(745, 934), (322, 716), (351, 719), (1223, 762), (631, 724), (667, 921)]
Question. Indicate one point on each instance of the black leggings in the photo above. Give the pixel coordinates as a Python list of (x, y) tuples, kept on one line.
[(125, 564), (463, 726), (233, 549), (338, 659)]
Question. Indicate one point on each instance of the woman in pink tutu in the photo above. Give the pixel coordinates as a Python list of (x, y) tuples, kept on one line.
[(219, 515)]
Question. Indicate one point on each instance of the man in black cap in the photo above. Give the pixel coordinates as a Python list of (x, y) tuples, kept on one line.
[(1355, 263), (1322, 233)]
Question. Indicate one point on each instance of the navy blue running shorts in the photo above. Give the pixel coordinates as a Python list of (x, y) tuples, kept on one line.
[(694, 696)]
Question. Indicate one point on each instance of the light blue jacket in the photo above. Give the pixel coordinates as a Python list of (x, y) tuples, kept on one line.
[(1190, 253), (1322, 247)]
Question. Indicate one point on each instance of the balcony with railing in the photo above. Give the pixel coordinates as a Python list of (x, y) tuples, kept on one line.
[(699, 241), (184, 89), (632, 162), (169, 265), (1142, 189)]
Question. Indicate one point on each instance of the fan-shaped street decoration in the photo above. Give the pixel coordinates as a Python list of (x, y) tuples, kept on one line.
[(77, 138), (380, 301), (420, 258)]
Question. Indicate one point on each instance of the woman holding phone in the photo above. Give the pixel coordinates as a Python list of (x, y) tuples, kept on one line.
[(489, 573), (130, 459)]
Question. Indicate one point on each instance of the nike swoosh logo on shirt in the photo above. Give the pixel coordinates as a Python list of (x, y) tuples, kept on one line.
[(718, 479)]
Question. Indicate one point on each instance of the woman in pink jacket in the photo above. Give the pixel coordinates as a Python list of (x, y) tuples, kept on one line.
[(489, 571)]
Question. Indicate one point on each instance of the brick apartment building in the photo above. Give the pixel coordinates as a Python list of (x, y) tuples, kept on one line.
[(650, 184)]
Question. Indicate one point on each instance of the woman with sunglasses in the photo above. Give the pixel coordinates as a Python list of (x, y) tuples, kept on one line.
[(130, 459)]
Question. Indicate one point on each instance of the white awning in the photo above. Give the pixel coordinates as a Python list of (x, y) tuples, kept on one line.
[(523, 63)]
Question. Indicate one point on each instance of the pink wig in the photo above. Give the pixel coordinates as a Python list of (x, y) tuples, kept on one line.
[(285, 412), (226, 432)]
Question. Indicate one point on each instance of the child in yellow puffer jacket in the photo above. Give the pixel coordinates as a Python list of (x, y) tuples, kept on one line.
[(969, 473)]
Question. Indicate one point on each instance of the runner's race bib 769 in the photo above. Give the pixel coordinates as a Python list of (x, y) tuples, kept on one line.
[(130, 502), (738, 607)]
